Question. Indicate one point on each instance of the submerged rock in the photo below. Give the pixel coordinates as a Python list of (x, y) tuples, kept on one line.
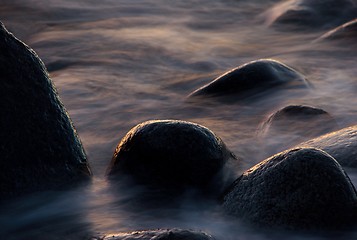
[(171, 153), (252, 79), (342, 145), (39, 147), (303, 188), (346, 32), (307, 14), (160, 234), (293, 124)]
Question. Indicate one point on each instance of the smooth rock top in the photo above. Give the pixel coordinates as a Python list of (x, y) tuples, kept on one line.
[(346, 32), (303, 188), (170, 153), (251, 79), (160, 234), (39, 147), (299, 120), (342, 145), (310, 14)]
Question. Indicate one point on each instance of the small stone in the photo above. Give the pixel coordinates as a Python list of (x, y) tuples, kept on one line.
[(303, 188), (252, 79), (294, 123)]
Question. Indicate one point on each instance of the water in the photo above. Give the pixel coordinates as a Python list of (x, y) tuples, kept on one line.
[(117, 63)]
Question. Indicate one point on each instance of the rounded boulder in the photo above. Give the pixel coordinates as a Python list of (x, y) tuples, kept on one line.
[(170, 153), (299, 189), (252, 79), (295, 123)]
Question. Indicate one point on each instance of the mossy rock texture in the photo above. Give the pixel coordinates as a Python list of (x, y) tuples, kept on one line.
[(39, 147), (299, 189)]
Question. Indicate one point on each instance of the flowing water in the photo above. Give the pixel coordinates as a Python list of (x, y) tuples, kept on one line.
[(117, 63)]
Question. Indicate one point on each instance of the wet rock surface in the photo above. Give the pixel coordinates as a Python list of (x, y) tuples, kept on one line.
[(171, 153), (346, 33), (310, 14), (160, 234), (303, 188), (252, 79), (39, 147), (301, 120), (341, 144), (293, 124)]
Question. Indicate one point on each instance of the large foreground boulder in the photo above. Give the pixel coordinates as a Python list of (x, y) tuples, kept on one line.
[(39, 147), (303, 188), (252, 79), (310, 14), (342, 145), (171, 153), (160, 234)]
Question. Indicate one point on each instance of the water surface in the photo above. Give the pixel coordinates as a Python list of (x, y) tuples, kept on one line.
[(117, 63)]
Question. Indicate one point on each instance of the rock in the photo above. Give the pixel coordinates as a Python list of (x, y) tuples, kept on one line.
[(342, 145), (293, 124), (302, 120), (346, 32), (299, 189), (171, 153), (39, 147), (310, 14), (252, 79), (160, 234)]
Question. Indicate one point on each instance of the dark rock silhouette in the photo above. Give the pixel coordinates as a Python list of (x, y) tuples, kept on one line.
[(160, 234), (39, 147), (303, 188), (310, 14), (342, 145), (171, 153), (285, 120), (293, 124), (346, 33), (252, 79)]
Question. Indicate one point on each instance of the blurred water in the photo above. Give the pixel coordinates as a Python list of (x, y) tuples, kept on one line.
[(117, 63)]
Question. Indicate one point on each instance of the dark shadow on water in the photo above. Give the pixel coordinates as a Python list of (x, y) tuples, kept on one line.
[(46, 215)]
